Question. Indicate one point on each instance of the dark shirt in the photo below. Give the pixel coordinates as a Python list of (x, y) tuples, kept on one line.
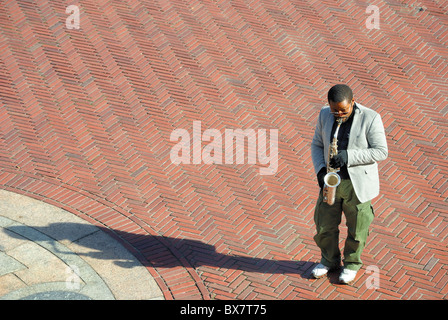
[(343, 137)]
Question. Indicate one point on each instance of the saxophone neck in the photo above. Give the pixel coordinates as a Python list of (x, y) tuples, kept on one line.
[(335, 137)]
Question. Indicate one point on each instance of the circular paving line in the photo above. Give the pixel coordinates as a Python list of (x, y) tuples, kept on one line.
[(48, 253)]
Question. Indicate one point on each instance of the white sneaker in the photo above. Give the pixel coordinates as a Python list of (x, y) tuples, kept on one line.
[(319, 271), (347, 276)]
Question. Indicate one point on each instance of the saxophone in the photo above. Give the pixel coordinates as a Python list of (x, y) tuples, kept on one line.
[(332, 179)]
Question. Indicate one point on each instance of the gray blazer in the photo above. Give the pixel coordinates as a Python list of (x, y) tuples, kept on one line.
[(367, 144)]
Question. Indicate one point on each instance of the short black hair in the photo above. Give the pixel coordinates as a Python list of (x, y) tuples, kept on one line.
[(339, 93)]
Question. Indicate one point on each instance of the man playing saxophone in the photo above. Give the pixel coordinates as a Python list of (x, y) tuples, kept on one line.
[(358, 134)]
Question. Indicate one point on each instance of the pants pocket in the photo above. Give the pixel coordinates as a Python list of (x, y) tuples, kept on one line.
[(364, 218)]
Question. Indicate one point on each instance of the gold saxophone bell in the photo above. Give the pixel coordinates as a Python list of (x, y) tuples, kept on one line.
[(332, 179)]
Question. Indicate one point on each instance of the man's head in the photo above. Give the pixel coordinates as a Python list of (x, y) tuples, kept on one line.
[(341, 101)]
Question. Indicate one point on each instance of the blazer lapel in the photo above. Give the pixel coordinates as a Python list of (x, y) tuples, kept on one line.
[(328, 127), (355, 129)]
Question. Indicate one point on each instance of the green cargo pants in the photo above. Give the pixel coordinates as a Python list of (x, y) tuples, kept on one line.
[(327, 218)]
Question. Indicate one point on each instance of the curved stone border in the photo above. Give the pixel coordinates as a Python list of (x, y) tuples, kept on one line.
[(49, 253)]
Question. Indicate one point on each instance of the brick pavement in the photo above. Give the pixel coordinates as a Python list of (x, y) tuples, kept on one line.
[(86, 117)]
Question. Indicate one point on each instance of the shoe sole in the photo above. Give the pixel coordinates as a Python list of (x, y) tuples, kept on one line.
[(347, 282)]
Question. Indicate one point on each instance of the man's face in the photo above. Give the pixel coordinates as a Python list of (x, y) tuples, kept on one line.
[(342, 109)]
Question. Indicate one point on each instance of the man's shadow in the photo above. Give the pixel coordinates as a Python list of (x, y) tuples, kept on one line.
[(166, 252)]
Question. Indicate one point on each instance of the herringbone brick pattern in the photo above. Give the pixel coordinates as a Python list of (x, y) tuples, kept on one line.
[(86, 116)]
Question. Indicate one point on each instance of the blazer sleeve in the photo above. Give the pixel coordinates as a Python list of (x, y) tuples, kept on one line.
[(317, 146), (377, 145)]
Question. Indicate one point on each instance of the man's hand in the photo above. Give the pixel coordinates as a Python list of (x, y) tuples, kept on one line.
[(320, 177), (339, 160)]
